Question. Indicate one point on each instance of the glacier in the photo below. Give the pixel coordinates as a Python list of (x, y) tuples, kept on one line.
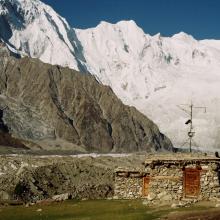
[(155, 74)]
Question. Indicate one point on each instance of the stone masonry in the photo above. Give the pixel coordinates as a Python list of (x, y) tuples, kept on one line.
[(129, 187), (171, 177)]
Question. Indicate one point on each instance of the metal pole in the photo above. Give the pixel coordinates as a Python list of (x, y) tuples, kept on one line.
[(190, 121), (190, 139)]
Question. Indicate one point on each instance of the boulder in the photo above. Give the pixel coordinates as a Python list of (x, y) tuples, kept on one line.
[(4, 195), (61, 197), (151, 196)]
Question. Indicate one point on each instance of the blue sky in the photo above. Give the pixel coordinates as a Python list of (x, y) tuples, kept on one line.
[(200, 18)]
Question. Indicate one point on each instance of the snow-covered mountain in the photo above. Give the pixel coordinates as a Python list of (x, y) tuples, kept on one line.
[(36, 30), (152, 73), (156, 74)]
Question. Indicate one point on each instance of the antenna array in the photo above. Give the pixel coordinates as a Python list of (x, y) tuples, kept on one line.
[(189, 122)]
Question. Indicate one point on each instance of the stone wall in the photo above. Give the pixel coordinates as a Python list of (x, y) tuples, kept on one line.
[(127, 187), (167, 183), (210, 187)]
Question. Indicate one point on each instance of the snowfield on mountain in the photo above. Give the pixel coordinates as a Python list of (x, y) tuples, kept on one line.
[(153, 73)]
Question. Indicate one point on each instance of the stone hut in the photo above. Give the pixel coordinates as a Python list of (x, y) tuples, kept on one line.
[(171, 177)]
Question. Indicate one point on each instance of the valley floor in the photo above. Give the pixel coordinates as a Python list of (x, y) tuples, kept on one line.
[(89, 181), (108, 210)]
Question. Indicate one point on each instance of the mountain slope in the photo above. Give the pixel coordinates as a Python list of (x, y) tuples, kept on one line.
[(57, 108), (152, 73), (35, 29), (156, 74)]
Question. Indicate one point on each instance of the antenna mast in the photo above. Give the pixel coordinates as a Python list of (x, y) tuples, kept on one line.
[(189, 112)]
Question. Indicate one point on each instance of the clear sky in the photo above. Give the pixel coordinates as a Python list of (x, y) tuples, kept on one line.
[(200, 18)]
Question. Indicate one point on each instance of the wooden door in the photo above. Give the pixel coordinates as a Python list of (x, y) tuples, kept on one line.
[(191, 182), (146, 181)]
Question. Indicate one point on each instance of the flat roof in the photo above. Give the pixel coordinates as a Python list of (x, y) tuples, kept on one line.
[(180, 157)]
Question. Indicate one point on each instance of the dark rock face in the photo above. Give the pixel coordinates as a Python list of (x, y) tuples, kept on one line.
[(50, 104), (6, 138)]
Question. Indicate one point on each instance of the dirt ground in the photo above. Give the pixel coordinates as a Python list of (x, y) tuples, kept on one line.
[(108, 210), (194, 215), (206, 210)]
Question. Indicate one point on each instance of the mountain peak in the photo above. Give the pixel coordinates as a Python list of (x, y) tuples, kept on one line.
[(30, 26), (127, 22), (183, 36), (104, 24), (24, 11), (157, 36), (17, 13), (123, 23)]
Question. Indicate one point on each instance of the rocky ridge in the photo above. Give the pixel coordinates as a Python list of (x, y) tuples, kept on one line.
[(55, 108)]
